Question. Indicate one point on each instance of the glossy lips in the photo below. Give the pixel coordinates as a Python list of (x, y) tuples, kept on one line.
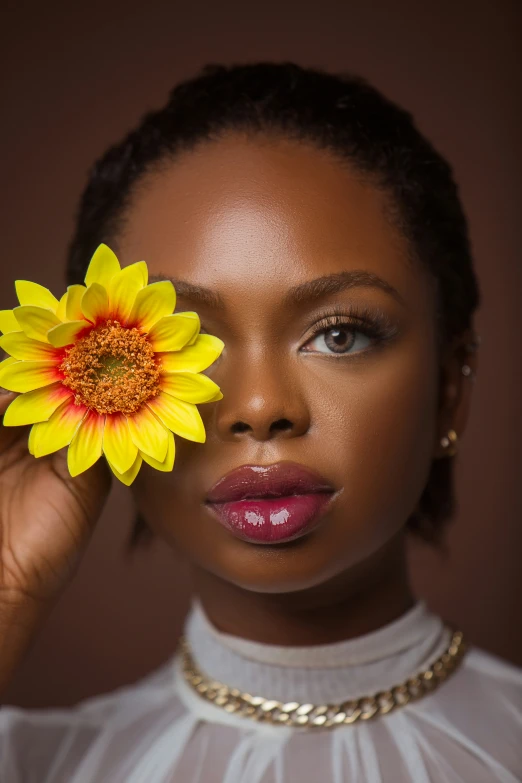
[(270, 504)]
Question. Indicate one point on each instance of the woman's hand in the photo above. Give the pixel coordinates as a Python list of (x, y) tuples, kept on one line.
[(46, 520)]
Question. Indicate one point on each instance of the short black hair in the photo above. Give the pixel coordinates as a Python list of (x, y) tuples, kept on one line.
[(337, 112)]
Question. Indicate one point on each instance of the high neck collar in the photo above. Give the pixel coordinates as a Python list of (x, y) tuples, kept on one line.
[(319, 673)]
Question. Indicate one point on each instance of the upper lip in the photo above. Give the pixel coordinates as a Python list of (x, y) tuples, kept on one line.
[(258, 481)]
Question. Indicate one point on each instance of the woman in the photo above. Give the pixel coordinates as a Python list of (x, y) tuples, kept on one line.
[(321, 237)]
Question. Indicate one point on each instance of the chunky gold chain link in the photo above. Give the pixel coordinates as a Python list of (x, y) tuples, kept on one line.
[(322, 715)]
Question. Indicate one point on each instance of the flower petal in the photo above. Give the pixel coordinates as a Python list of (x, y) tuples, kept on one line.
[(152, 303), (193, 358), (218, 396), (58, 431), (35, 321), (123, 289), (65, 334), (140, 269), (168, 463), (190, 386), (26, 376), (30, 440), (61, 310), (118, 446), (73, 308), (86, 445), (8, 361), (102, 267), (35, 406), (173, 332), (95, 302), (148, 433), (8, 322), (20, 346), (128, 477), (183, 418), (30, 293)]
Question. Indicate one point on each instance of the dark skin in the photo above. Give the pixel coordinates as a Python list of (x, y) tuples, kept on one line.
[(250, 219)]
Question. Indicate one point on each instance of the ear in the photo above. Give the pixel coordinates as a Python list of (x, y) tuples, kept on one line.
[(455, 387)]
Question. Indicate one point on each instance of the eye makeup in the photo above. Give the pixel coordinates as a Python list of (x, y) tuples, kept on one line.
[(372, 322)]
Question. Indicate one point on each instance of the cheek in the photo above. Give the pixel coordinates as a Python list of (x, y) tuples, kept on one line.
[(167, 500), (382, 421)]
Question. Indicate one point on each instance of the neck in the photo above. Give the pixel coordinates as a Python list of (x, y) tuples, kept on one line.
[(353, 603)]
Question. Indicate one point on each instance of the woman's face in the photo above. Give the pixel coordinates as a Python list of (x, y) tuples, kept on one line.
[(252, 221)]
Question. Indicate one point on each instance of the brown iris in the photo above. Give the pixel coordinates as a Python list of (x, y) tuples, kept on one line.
[(111, 369)]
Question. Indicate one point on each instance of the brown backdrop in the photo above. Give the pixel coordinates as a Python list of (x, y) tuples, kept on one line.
[(76, 80)]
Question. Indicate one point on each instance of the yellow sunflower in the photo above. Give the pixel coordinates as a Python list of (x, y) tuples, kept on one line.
[(110, 368)]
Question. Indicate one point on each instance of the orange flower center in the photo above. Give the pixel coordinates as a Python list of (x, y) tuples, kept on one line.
[(112, 369)]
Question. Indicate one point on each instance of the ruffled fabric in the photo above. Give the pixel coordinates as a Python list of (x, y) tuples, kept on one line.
[(159, 731)]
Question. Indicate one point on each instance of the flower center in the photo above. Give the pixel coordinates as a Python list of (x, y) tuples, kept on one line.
[(112, 369)]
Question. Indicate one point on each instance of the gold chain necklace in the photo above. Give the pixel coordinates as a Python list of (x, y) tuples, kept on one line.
[(322, 716)]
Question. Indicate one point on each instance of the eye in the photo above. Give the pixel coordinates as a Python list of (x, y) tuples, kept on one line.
[(343, 334), (339, 339)]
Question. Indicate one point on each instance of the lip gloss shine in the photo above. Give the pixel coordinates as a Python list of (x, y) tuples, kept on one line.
[(272, 520)]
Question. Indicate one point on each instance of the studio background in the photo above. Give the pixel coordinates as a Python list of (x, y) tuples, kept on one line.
[(74, 80)]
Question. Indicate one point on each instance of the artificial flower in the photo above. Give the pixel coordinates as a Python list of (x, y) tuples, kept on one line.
[(108, 369)]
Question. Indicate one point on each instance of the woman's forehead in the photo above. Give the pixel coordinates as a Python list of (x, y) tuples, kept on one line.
[(265, 212)]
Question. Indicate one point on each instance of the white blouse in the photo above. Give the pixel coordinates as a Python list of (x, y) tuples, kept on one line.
[(158, 730)]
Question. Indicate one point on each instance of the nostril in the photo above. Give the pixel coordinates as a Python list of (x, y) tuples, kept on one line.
[(281, 425), (239, 426)]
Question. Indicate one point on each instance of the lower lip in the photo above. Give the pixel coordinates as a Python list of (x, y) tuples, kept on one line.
[(272, 520)]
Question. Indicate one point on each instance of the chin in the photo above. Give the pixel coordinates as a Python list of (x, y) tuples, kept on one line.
[(301, 564)]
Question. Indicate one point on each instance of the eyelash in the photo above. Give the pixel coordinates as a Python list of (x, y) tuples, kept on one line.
[(372, 323)]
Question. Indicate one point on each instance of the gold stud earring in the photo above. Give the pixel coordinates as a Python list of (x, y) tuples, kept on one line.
[(449, 442)]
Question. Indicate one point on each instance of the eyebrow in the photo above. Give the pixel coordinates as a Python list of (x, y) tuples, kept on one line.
[(304, 292)]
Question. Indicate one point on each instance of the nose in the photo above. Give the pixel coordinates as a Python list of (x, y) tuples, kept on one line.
[(261, 402)]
